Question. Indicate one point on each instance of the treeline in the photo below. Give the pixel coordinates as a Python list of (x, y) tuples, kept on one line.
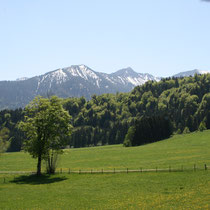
[(105, 119), (147, 130), (8, 124)]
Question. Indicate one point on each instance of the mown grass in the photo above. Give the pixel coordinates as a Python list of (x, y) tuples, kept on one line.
[(148, 190)]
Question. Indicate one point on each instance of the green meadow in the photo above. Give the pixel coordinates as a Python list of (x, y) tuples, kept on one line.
[(159, 190), (183, 190), (180, 150)]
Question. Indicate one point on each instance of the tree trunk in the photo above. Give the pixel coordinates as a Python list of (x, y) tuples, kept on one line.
[(52, 165), (39, 165), (48, 162)]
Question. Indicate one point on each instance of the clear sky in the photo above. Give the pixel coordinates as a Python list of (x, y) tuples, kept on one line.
[(161, 37)]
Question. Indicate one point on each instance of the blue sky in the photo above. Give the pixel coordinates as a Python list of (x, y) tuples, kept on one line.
[(161, 37)]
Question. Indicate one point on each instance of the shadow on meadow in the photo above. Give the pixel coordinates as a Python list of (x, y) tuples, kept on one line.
[(35, 180)]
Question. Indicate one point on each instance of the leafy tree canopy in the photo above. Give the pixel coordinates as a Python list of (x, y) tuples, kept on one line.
[(4, 136), (46, 125)]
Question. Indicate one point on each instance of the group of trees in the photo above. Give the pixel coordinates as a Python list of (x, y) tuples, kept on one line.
[(4, 136), (105, 119), (185, 100), (8, 121), (147, 130), (100, 121)]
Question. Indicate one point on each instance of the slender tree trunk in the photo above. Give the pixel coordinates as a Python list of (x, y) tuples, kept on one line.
[(39, 165), (52, 164)]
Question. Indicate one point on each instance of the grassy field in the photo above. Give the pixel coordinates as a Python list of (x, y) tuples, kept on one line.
[(147, 190), (179, 150), (178, 190)]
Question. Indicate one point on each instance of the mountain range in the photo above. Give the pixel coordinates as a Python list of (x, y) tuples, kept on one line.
[(190, 73), (73, 81)]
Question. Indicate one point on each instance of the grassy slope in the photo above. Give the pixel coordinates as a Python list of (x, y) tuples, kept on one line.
[(162, 190), (179, 150)]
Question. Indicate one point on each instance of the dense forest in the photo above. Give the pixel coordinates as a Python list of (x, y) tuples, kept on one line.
[(147, 130), (105, 119)]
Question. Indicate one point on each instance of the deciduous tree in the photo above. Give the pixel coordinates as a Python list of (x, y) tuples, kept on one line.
[(46, 125)]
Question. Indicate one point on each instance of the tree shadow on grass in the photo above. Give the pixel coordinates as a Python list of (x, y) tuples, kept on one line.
[(36, 180)]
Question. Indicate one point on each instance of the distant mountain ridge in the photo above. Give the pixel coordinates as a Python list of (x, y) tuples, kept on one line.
[(190, 73), (73, 81)]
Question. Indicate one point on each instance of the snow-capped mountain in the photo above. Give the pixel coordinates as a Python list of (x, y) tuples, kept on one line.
[(127, 77), (73, 81), (80, 80), (190, 73)]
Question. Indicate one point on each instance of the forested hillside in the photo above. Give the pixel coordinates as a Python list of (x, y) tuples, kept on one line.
[(105, 119)]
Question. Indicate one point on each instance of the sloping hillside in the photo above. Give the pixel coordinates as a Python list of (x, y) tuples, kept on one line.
[(179, 150)]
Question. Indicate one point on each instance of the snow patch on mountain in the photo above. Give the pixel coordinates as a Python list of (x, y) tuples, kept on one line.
[(110, 79), (59, 76), (129, 76), (72, 71), (135, 81), (81, 71)]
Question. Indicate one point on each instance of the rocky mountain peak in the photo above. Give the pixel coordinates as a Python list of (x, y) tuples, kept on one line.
[(125, 72), (72, 81)]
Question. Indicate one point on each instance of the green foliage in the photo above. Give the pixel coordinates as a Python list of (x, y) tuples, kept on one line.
[(9, 119), (179, 131), (129, 136), (147, 130), (186, 130), (4, 136), (46, 125), (105, 119), (202, 126)]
